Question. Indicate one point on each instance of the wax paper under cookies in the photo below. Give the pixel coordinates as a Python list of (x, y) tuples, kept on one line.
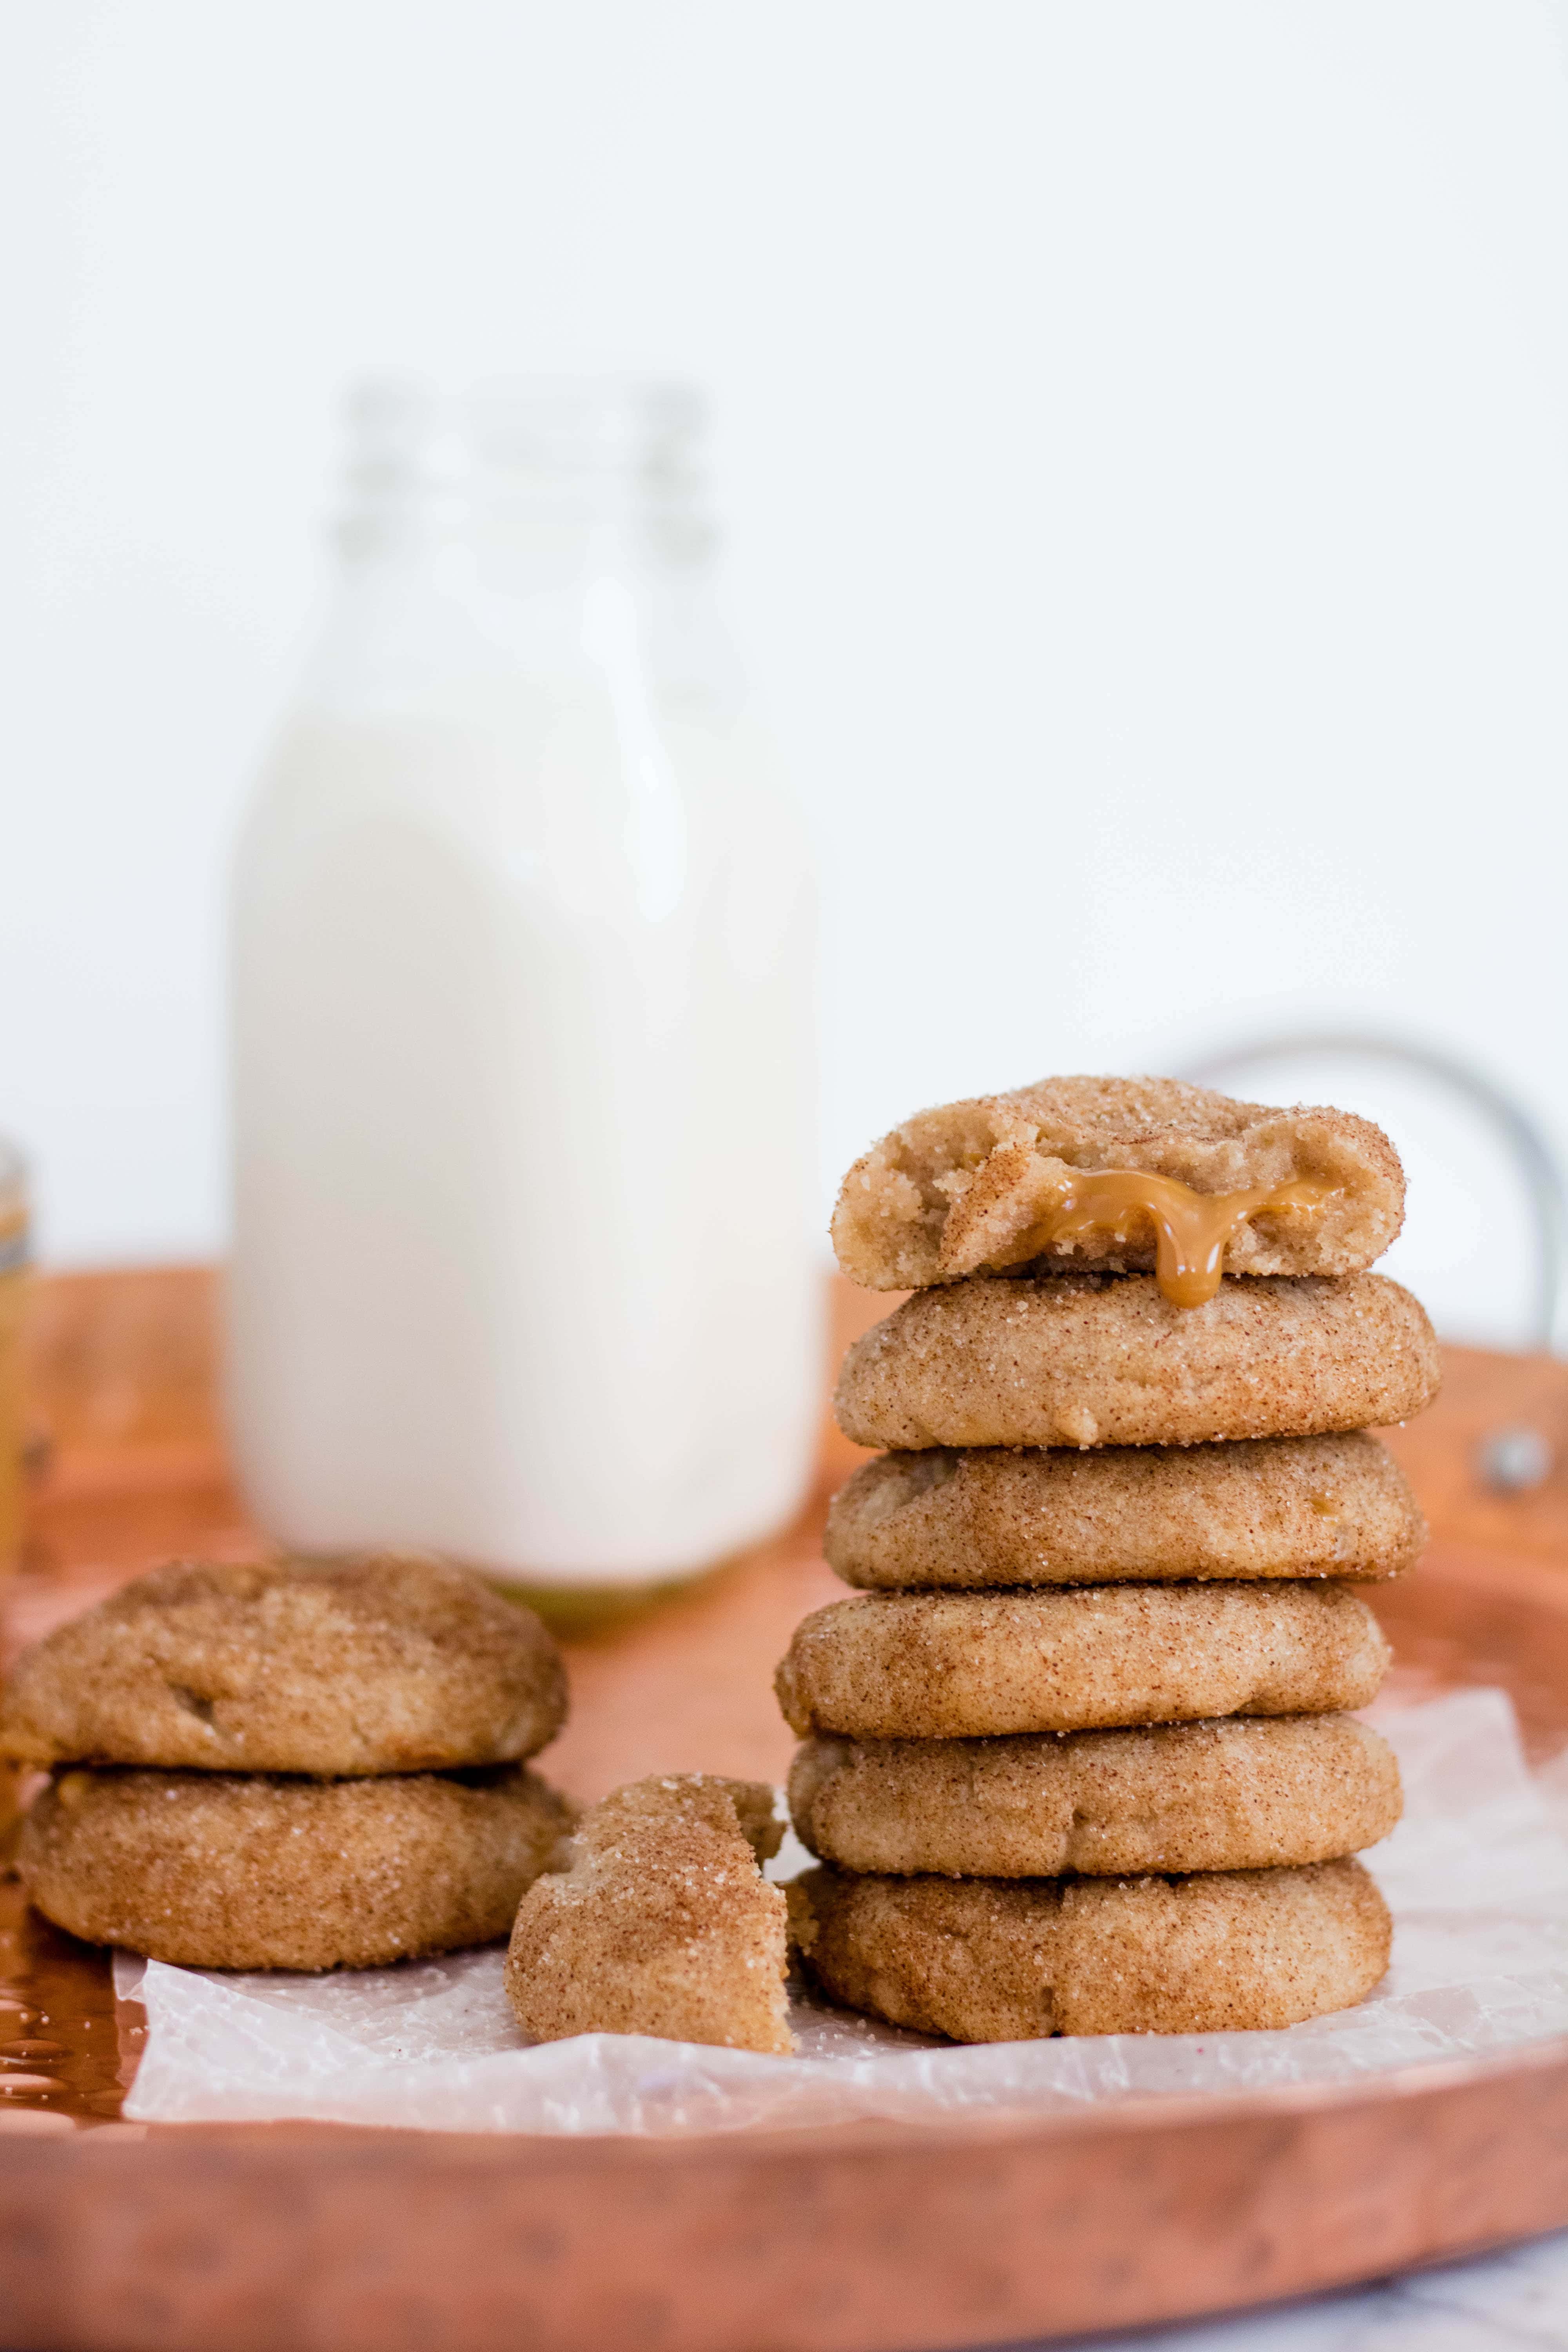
[(1476, 1876)]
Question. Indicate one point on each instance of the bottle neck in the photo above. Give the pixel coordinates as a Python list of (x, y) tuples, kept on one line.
[(541, 482), (548, 532)]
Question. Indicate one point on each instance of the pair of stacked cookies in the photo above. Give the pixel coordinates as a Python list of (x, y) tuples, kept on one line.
[(298, 1765), (1079, 1756)]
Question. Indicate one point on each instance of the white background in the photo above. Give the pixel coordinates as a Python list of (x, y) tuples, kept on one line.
[(1142, 427)]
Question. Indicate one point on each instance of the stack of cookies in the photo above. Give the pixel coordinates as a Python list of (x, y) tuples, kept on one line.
[(298, 1765), (1078, 1758)]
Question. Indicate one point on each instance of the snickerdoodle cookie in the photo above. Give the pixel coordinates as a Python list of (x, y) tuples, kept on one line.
[(218, 1870), (985, 1960), (1105, 1359), (662, 1924), (1247, 1793), (979, 1186), (1126, 1515), (954, 1665), (379, 1665)]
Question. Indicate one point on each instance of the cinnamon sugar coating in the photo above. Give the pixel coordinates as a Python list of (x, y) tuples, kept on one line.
[(218, 1870), (1268, 1506), (953, 1665), (374, 1665), (967, 1188), (1246, 1793), (986, 1959), (663, 1924), (1103, 1359)]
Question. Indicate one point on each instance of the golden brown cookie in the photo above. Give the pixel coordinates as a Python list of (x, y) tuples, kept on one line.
[(1103, 1359), (976, 1186), (335, 1667), (216, 1870), (1247, 1793), (986, 1959), (956, 1666), (663, 1925), (1272, 1506)]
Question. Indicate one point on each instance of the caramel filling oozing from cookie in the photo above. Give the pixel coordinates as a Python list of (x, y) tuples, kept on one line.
[(1191, 1229)]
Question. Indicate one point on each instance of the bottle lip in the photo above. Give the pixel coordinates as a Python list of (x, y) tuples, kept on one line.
[(510, 438)]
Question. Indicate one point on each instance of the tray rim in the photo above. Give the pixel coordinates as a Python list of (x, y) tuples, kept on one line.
[(1135, 2112), (121, 2182)]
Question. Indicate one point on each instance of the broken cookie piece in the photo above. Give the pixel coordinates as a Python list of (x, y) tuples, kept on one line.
[(662, 1924), (1188, 1183)]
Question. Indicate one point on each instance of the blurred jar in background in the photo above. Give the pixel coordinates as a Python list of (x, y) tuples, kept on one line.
[(524, 1061), (14, 1259)]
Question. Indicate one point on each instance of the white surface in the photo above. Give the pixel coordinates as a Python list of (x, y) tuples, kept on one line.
[(433, 2044), (1500, 2303), (1142, 429)]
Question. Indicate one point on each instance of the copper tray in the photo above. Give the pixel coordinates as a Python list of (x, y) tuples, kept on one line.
[(282, 2238)]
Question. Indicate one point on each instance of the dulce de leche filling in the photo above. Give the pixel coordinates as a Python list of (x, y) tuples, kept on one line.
[(1191, 1229)]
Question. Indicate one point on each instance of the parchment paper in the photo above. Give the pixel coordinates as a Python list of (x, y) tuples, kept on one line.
[(1475, 1874)]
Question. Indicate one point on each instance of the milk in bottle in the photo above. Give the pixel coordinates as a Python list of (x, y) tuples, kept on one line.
[(522, 1025)]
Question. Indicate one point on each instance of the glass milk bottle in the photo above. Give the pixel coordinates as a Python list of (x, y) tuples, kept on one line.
[(523, 1074)]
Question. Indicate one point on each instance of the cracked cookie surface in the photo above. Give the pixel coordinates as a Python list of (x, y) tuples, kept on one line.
[(956, 1665), (985, 1960), (368, 1665), (214, 1870), (1244, 1793), (1104, 1359), (956, 1520)]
